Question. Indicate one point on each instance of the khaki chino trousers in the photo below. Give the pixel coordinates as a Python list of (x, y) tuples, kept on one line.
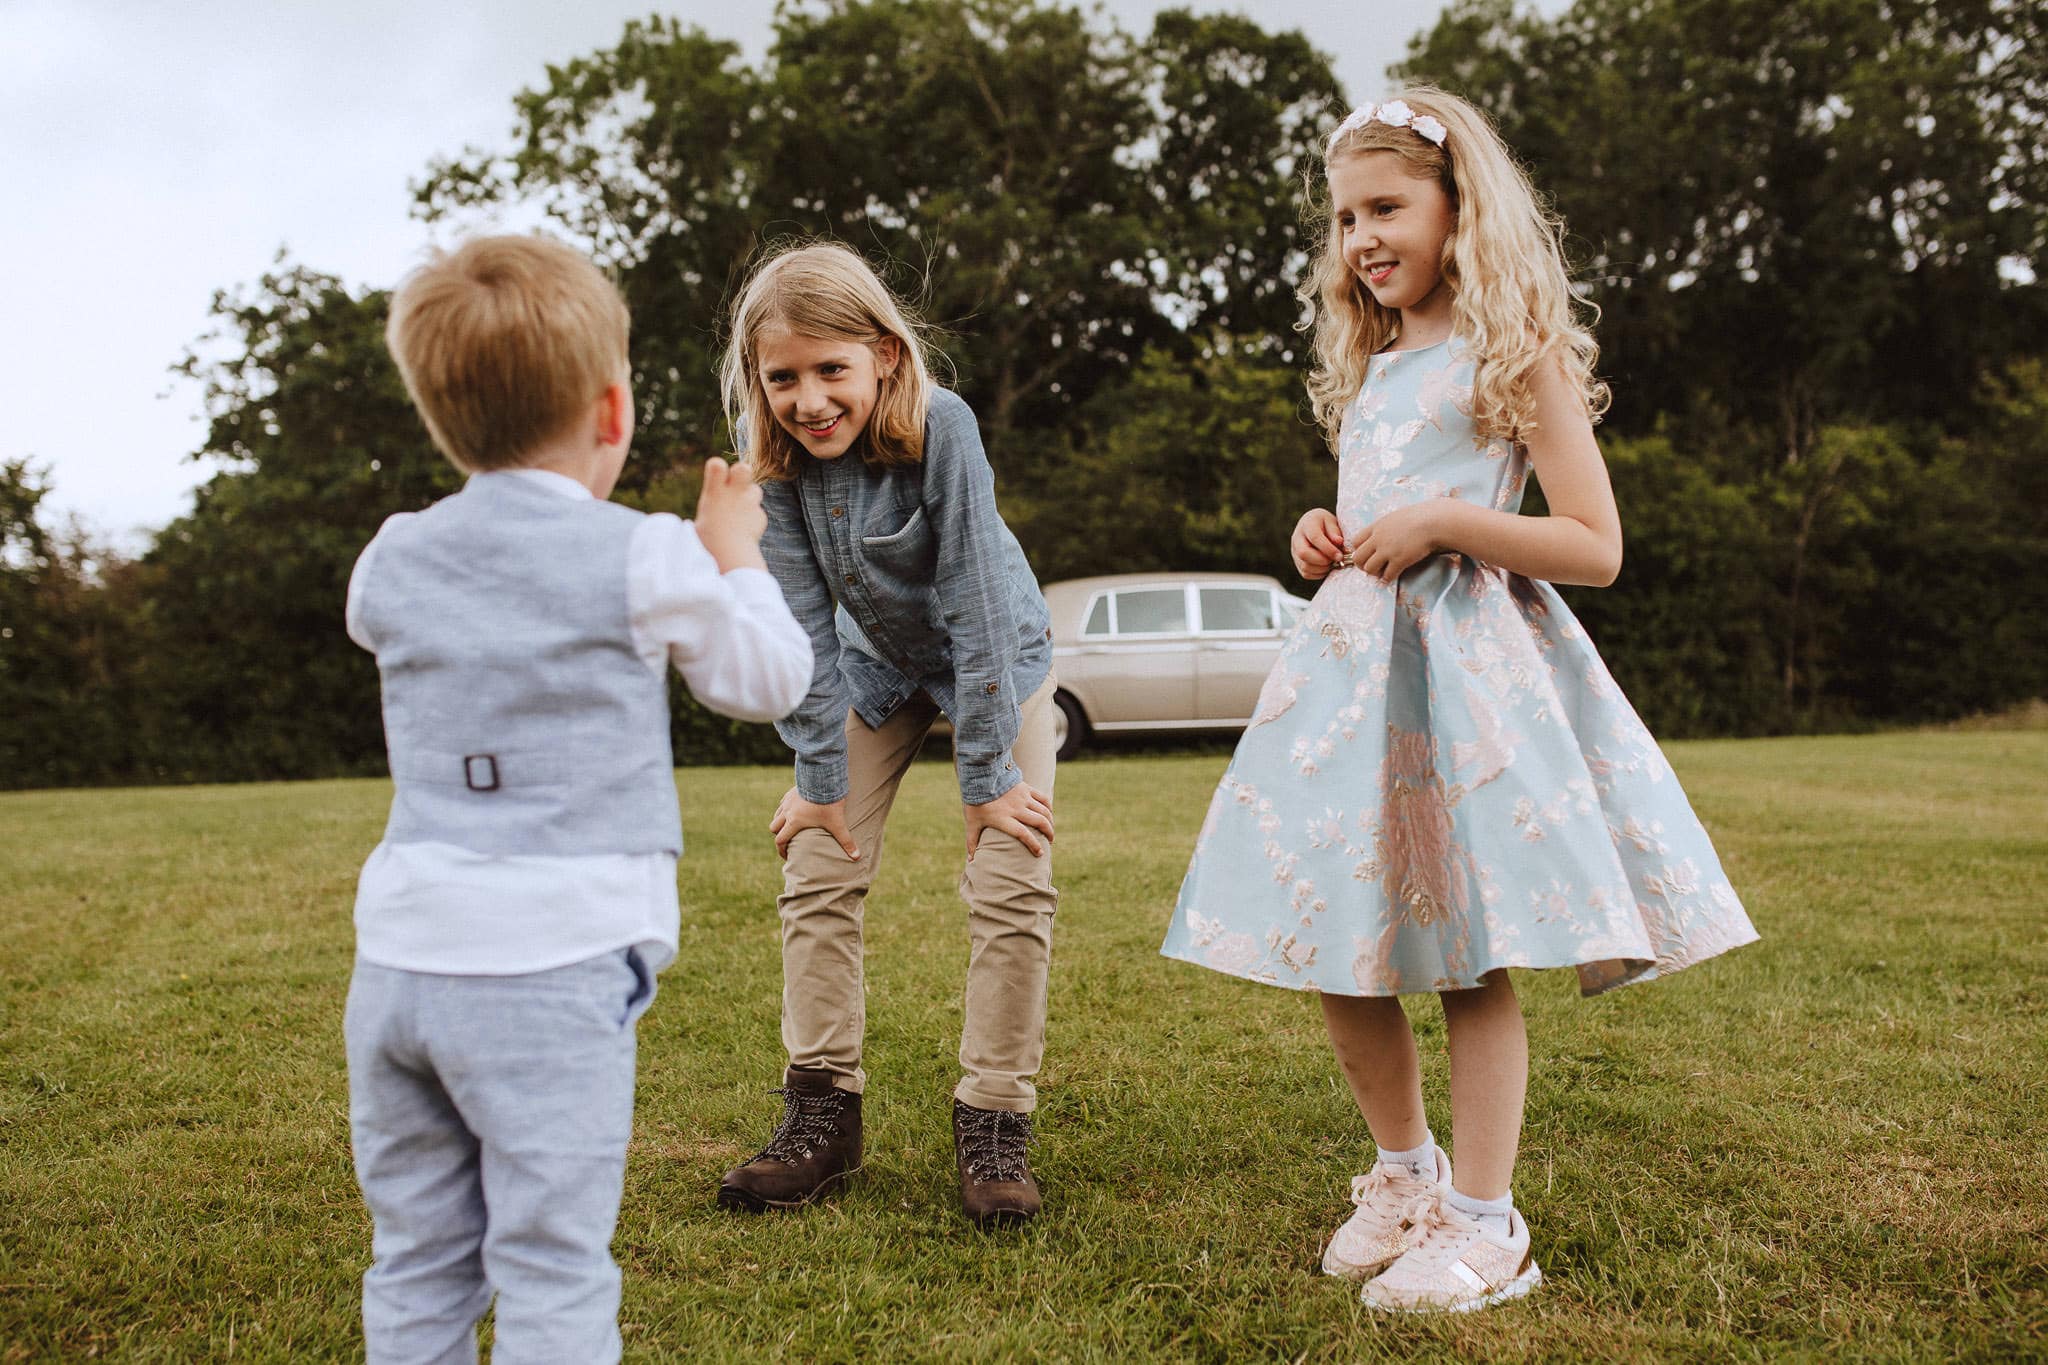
[(1010, 901)]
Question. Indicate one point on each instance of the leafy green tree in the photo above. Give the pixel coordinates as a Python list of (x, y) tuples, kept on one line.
[(247, 669), (1959, 620), (1810, 212), (1057, 195), (1203, 463), (1687, 630), (1815, 231), (59, 642)]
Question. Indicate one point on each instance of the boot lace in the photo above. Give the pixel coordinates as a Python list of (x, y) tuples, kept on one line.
[(809, 1121), (993, 1142)]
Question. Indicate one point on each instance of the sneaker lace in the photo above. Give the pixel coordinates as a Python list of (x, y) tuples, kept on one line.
[(994, 1141), (1365, 1187), (809, 1120), (1382, 1178), (1440, 1232)]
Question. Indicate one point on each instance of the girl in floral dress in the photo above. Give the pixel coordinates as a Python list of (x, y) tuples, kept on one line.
[(1441, 780)]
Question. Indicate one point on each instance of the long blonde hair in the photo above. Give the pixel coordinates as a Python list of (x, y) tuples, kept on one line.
[(1512, 301), (825, 291)]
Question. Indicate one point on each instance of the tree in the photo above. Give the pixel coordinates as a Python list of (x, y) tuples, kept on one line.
[(247, 670), (1193, 464), (58, 644), (243, 668), (1054, 193), (1811, 212)]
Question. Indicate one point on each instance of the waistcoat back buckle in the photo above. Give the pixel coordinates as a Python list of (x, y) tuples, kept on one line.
[(480, 772)]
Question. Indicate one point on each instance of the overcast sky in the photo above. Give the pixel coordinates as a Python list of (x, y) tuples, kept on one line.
[(156, 153)]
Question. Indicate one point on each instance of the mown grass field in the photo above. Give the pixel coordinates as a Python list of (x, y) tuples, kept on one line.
[(1828, 1145)]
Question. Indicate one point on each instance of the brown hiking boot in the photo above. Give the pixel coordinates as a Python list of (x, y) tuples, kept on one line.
[(995, 1175), (816, 1146)]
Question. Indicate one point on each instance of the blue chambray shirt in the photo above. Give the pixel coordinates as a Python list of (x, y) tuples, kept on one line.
[(907, 580)]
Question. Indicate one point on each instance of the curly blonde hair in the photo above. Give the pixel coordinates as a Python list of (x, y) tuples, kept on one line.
[(1512, 300), (826, 291)]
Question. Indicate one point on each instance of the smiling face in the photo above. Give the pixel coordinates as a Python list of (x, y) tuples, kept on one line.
[(1391, 226), (821, 391)]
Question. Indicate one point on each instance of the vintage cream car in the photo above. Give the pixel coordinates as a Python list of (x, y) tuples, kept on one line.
[(1163, 651)]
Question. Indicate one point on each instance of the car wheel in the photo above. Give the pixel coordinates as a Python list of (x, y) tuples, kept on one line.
[(1070, 727)]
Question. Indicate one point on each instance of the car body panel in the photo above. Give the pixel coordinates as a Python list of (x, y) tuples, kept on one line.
[(1167, 651)]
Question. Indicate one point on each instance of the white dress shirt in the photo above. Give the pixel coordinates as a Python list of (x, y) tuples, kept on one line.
[(436, 907)]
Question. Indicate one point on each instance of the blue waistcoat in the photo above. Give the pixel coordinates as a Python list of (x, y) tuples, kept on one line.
[(517, 714)]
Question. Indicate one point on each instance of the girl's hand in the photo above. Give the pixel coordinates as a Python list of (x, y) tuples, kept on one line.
[(1317, 544), (1017, 812), (1398, 541), (796, 815)]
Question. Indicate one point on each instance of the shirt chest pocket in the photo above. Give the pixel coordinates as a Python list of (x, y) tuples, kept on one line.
[(906, 552)]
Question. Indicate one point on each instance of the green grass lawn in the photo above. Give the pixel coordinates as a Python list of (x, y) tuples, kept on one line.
[(1828, 1144)]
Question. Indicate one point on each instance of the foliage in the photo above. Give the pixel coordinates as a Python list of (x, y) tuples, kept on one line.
[(243, 669), (1193, 464), (60, 637), (1687, 630), (243, 661), (1815, 230), (1055, 194), (1812, 212)]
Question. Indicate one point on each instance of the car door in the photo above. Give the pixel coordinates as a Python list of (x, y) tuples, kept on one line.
[(1144, 675), (1238, 638)]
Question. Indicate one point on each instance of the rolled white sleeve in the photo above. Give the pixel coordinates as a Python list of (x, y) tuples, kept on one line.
[(730, 636)]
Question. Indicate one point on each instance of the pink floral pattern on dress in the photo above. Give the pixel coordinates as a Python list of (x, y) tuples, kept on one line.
[(1441, 778)]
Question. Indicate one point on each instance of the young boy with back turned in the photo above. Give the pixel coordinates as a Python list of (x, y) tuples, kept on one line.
[(510, 925)]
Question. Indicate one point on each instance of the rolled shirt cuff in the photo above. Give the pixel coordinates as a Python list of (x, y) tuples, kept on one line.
[(981, 783), (821, 781)]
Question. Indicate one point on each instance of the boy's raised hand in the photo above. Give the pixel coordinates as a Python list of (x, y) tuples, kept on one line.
[(729, 516), (1317, 544)]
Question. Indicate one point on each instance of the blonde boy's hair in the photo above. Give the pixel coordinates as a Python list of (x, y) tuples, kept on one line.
[(1512, 299), (824, 291), (503, 344)]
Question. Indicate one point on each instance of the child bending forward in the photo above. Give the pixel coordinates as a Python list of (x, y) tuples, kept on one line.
[(883, 531)]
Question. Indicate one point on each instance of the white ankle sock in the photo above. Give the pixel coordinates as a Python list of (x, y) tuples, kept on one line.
[(1491, 1214), (1421, 1160)]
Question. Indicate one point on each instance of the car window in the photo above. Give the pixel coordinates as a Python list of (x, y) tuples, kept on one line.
[(1290, 609), (1151, 611), (1237, 609), (1098, 617)]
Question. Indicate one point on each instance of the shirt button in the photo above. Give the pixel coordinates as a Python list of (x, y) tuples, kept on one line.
[(849, 578), (993, 688), (839, 511)]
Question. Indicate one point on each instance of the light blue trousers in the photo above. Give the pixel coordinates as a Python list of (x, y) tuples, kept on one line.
[(490, 1116)]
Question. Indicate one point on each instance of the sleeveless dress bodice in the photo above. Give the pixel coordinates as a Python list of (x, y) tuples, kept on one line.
[(1441, 778)]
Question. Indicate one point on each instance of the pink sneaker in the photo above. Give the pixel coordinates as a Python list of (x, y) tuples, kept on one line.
[(1378, 1230), (1455, 1264)]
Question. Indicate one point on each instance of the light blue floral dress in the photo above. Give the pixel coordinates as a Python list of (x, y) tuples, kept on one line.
[(1441, 778)]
